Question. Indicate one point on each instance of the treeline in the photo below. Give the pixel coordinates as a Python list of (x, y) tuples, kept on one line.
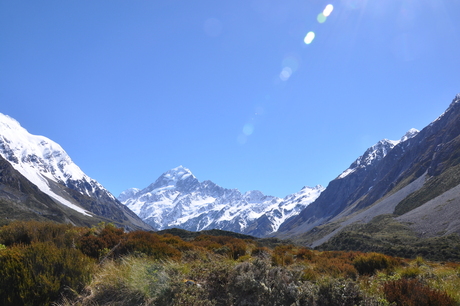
[(57, 264)]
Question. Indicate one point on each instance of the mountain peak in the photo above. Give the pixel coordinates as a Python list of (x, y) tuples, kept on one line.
[(178, 199), (176, 174), (179, 172), (8, 122), (409, 134), (179, 176), (376, 153)]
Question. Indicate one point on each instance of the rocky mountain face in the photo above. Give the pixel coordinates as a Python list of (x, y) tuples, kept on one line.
[(178, 199), (405, 179), (45, 165)]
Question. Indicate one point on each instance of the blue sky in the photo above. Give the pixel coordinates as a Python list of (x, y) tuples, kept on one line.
[(228, 89)]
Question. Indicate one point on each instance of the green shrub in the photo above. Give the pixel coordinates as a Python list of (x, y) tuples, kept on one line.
[(368, 264), (411, 272), (26, 232), (40, 273)]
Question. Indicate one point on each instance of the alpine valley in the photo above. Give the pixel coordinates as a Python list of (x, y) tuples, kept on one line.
[(400, 197)]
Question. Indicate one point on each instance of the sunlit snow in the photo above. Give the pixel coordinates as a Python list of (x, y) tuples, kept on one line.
[(39, 158)]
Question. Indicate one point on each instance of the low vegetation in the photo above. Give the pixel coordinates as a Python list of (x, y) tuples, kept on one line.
[(55, 264), (386, 235)]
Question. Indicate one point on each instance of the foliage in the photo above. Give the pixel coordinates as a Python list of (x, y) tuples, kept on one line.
[(386, 235), (40, 273), (131, 280), (48, 263), (368, 264), (406, 292)]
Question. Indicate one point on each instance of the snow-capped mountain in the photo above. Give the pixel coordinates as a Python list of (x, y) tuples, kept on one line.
[(412, 183), (353, 183), (376, 153), (44, 163), (178, 199)]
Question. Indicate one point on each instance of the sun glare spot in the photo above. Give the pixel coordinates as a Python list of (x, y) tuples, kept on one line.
[(328, 10), (321, 18), (309, 38), (285, 74)]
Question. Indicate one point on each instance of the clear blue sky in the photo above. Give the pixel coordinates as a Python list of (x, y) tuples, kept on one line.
[(228, 89)]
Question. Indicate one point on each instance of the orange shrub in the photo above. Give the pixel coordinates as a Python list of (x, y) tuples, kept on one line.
[(91, 245), (177, 242), (283, 255), (304, 254), (148, 244), (406, 292)]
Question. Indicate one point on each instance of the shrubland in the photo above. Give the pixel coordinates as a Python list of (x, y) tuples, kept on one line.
[(44, 263)]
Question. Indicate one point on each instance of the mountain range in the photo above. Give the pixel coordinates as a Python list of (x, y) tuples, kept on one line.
[(178, 199), (397, 193)]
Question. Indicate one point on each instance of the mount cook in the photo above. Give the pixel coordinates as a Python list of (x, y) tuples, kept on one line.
[(178, 199)]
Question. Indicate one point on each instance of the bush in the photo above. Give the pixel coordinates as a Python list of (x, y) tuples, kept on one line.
[(40, 273), (406, 292), (304, 254), (21, 232), (148, 244), (283, 255), (259, 283), (368, 264), (92, 246), (344, 293)]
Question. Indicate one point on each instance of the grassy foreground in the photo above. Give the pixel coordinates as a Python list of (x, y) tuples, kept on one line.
[(56, 264)]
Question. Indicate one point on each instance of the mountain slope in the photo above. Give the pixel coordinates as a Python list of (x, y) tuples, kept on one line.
[(419, 168), (178, 199), (47, 166)]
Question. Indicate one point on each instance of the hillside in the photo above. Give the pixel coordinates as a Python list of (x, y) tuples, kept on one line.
[(39, 180), (415, 184)]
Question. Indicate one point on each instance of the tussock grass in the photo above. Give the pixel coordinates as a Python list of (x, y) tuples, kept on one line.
[(130, 280)]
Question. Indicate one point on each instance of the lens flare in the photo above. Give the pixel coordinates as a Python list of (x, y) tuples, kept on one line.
[(309, 37), (321, 18), (328, 10), (285, 74)]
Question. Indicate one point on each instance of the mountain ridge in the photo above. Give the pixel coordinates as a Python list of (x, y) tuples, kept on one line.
[(46, 165), (415, 171), (178, 199)]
